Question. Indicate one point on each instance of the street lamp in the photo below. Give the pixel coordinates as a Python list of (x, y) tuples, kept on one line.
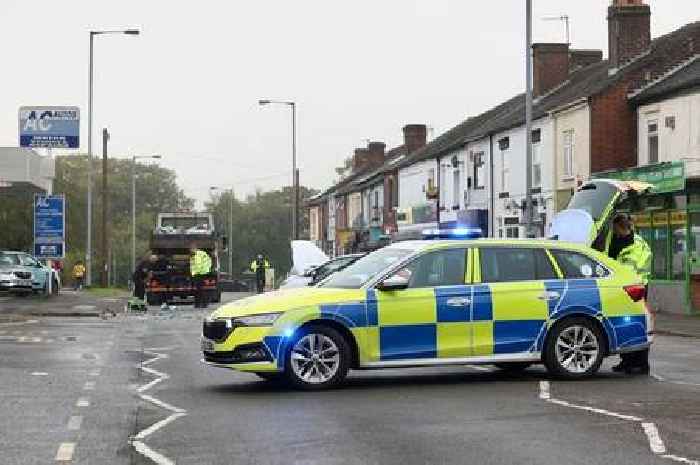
[(295, 180), (230, 226), (88, 246), (133, 204)]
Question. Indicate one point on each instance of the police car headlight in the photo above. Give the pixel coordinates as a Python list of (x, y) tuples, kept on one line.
[(264, 319)]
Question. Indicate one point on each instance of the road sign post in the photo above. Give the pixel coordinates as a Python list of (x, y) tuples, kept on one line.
[(49, 226)]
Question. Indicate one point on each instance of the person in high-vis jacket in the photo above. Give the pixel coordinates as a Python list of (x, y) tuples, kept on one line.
[(200, 267), (628, 248), (258, 266)]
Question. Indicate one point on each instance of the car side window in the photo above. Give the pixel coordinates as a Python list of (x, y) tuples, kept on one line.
[(439, 268), (576, 265), (507, 264), (26, 260)]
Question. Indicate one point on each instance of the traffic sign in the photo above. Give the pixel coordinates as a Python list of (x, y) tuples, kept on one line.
[(49, 127), (49, 226)]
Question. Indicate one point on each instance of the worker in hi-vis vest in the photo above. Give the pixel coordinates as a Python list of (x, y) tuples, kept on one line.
[(200, 267), (258, 266)]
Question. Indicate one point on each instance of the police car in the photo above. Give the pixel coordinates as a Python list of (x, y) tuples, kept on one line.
[(511, 303)]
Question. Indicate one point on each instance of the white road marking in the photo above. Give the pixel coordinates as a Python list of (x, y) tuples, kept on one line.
[(49, 341), (136, 442), (83, 402), (478, 367), (84, 307), (18, 323), (89, 385), (680, 459), (149, 453), (65, 452), (664, 380), (162, 404), (95, 372), (656, 444), (74, 422), (39, 373)]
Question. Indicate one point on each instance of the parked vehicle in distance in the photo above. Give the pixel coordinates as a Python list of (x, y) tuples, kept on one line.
[(510, 303), (23, 274), (306, 257)]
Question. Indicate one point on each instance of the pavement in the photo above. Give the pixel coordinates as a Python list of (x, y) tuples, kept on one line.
[(678, 325), (130, 389)]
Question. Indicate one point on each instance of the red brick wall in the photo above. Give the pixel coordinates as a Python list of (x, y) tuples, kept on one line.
[(613, 130), (550, 67)]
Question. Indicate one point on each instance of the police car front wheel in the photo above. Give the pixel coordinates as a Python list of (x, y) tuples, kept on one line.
[(319, 358), (574, 348)]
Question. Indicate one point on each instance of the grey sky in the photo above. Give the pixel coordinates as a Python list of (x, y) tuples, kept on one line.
[(187, 88)]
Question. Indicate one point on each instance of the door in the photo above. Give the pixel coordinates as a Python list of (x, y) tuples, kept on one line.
[(428, 319), (512, 301), (694, 259)]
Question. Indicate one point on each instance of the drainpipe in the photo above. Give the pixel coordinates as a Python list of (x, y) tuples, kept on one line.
[(438, 181), (492, 192)]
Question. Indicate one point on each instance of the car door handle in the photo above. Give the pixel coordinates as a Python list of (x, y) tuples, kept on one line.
[(458, 301), (549, 295)]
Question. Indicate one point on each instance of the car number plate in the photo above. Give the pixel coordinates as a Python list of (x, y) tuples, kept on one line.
[(207, 345)]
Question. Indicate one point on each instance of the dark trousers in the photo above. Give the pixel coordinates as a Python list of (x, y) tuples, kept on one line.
[(200, 294), (260, 282), (139, 289), (638, 359)]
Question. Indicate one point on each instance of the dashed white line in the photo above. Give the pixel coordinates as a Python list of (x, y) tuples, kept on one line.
[(656, 444), (39, 373), (95, 372), (74, 422), (65, 452), (89, 385), (83, 402), (478, 367)]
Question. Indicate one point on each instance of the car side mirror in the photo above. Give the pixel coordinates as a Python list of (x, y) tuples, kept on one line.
[(393, 283)]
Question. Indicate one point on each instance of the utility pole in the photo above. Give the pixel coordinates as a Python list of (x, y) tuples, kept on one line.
[(529, 231), (104, 275)]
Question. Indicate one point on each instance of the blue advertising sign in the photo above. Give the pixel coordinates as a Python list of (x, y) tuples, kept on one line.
[(49, 127), (49, 226)]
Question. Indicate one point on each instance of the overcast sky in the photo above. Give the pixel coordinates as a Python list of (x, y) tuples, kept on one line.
[(187, 87)]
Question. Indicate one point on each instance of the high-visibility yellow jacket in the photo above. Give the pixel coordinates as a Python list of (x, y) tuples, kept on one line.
[(78, 271), (254, 265), (637, 256), (200, 263)]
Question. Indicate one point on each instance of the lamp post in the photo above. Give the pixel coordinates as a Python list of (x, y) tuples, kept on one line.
[(230, 226), (88, 245), (133, 205), (295, 183), (529, 216)]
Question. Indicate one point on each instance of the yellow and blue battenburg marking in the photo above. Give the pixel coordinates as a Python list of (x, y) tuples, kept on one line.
[(472, 320)]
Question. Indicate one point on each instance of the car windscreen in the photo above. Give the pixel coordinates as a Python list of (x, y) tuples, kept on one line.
[(593, 198), (360, 272), (9, 259)]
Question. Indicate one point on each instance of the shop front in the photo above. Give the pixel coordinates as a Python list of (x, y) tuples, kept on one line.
[(669, 220)]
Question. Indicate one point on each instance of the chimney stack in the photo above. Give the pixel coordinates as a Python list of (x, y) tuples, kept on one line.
[(550, 67), (370, 157), (581, 58), (414, 136), (629, 30)]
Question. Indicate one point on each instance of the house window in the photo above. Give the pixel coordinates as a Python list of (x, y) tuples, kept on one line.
[(512, 232), (536, 164), (568, 153), (479, 170), (653, 141), (504, 143), (456, 189), (505, 171)]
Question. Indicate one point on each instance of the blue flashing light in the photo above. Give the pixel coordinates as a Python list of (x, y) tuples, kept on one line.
[(289, 332), (627, 319), (455, 233)]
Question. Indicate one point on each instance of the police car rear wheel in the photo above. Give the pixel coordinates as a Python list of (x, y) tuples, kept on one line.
[(574, 349), (319, 358)]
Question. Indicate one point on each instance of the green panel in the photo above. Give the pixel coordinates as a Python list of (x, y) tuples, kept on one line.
[(666, 177)]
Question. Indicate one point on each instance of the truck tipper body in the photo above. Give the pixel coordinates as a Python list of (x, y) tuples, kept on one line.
[(170, 241)]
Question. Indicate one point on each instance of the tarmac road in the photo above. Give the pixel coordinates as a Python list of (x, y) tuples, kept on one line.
[(96, 390)]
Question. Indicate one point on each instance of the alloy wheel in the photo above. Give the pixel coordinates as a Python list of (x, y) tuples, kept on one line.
[(315, 358), (577, 349)]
